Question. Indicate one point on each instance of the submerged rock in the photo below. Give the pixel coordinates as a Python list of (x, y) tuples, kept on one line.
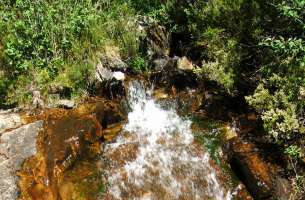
[(15, 147)]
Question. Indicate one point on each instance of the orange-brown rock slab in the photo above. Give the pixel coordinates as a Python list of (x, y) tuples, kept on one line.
[(258, 174), (69, 141)]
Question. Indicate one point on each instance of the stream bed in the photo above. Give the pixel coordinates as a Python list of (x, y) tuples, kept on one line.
[(156, 156), (141, 148)]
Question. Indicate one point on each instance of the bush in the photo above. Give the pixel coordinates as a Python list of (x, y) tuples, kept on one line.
[(221, 58), (139, 64), (280, 95)]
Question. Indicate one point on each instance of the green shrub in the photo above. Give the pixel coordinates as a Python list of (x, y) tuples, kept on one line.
[(279, 96), (139, 64), (221, 58)]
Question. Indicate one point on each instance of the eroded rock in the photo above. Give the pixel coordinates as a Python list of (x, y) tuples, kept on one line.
[(111, 82), (157, 41)]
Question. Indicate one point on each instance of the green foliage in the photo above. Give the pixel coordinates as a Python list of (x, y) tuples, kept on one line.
[(213, 25), (146, 6), (294, 151), (139, 64), (280, 95), (56, 43), (251, 44), (278, 113), (221, 58)]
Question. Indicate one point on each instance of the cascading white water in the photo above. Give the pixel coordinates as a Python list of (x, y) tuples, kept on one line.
[(156, 158)]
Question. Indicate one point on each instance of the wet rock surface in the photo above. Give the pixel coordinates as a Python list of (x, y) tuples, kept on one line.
[(156, 157), (66, 164), (15, 147), (262, 178)]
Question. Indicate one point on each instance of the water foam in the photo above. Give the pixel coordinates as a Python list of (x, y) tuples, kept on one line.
[(166, 163)]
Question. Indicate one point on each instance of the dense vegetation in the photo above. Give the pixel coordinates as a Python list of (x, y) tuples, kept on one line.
[(255, 47), (48, 45)]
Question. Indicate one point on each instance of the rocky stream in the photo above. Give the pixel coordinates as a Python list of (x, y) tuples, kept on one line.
[(150, 144), (161, 136)]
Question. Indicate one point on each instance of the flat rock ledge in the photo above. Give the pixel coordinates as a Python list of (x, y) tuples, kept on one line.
[(15, 147)]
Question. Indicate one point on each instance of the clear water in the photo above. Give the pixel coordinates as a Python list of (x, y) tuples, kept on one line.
[(156, 157)]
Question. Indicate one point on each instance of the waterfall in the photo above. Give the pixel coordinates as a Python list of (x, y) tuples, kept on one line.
[(156, 157)]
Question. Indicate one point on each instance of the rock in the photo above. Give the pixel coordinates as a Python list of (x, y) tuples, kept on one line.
[(66, 190), (37, 100), (160, 94), (111, 83), (119, 76), (103, 74), (113, 89), (251, 169), (65, 103), (262, 178), (157, 40), (282, 188), (229, 132), (68, 149), (170, 75), (111, 59), (159, 63), (240, 192), (185, 64), (8, 186), (188, 100), (112, 131), (9, 120), (83, 181), (15, 147)]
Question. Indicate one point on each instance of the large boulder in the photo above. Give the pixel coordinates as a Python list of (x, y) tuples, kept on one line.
[(15, 147)]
